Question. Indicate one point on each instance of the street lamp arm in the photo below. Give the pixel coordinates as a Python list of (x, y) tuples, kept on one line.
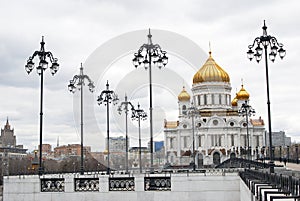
[(75, 78)]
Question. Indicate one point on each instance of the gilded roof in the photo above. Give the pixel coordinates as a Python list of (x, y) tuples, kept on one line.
[(211, 72), (184, 96), (242, 94), (234, 102)]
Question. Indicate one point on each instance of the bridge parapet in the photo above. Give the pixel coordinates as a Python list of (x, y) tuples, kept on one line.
[(168, 185)]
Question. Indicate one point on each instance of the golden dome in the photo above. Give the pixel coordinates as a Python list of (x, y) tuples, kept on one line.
[(242, 94), (234, 102), (211, 72), (184, 96)]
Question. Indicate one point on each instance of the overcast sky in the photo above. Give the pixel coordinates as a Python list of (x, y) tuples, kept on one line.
[(103, 35)]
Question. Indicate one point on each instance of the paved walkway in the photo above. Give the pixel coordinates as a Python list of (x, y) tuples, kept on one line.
[(290, 166)]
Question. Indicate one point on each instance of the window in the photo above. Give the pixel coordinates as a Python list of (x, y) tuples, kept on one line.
[(171, 143), (220, 98), (184, 109), (231, 124), (213, 99), (216, 140), (184, 126), (232, 140), (215, 122), (205, 99), (257, 141), (199, 141), (199, 102), (185, 142)]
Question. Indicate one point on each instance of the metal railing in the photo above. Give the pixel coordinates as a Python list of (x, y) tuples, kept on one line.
[(121, 184), (52, 184), (285, 183), (157, 183), (86, 184)]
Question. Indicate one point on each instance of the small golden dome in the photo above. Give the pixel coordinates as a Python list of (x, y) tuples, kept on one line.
[(242, 94), (105, 151), (211, 72), (184, 96), (234, 102)]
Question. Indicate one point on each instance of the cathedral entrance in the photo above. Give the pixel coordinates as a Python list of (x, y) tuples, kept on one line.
[(200, 160), (216, 158)]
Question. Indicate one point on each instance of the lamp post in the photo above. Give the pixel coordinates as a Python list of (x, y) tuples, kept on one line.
[(77, 83), (125, 105), (247, 111), (297, 157), (139, 114), (192, 112), (42, 66), (288, 153), (267, 41), (106, 97), (150, 54)]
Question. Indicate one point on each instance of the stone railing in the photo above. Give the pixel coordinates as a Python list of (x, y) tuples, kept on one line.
[(123, 182), (166, 185)]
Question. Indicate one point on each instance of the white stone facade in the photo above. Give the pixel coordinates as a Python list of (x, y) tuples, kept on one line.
[(219, 131)]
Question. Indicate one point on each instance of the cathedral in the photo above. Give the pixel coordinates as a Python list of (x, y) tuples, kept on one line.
[(210, 128)]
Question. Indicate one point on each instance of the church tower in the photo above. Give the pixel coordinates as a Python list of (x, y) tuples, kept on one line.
[(183, 102)]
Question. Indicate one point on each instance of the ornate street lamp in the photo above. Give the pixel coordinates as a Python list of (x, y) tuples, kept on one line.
[(150, 54), (43, 56), (106, 97), (247, 111), (77, 83), (266, 41), (191, 113), (125, 104), (139, 114)]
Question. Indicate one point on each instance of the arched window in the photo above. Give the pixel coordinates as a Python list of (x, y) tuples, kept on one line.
[(184, 109)]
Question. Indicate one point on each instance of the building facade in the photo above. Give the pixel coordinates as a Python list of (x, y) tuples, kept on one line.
[(209, 128), (278, 139), (117, 144), (70, 150), (8, 146)]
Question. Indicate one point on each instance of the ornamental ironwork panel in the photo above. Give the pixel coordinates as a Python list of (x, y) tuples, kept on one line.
[(52, 185), (157, 183), (86, 184), (121, 184)]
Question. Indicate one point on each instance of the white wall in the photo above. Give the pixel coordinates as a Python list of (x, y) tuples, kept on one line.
[(191, 187), (245, 192)]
